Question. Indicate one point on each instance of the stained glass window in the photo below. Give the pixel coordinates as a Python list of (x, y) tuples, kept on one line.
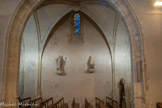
[(76, 24)]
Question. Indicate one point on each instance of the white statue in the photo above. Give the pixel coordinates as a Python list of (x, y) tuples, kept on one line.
[(60, 65), (90, 64), (58, 60)]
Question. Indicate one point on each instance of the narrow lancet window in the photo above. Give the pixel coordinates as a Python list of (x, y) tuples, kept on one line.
[(77, 24)]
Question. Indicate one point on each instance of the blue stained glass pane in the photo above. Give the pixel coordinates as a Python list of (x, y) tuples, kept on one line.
[(77, 24), (76, 21)]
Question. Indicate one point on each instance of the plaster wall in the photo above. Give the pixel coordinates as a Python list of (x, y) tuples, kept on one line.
[(48, 16), (29, 66), (77, 83), (123, 63), (28, 74), (106, 21), (117, 35)]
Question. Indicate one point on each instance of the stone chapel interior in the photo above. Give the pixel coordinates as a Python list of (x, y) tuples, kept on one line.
[(83, 53)]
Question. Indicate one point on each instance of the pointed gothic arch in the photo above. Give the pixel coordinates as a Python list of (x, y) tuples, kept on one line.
[(13, 43)]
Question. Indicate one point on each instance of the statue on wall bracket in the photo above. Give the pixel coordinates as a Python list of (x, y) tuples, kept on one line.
[(60, 61), (91, 65)]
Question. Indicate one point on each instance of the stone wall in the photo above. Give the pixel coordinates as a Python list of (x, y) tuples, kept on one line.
[(5, 14)]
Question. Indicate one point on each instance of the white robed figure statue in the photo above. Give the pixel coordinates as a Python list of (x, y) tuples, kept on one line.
[(60, 62), (91, 64)]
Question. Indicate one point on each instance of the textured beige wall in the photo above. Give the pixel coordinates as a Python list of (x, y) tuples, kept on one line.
[(77, 83), (5, 17), (150, 19)]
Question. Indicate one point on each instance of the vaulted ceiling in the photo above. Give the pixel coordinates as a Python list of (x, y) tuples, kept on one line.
[(50, 12)]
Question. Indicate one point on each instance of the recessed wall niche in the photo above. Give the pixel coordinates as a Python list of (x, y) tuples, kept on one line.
[(102, 36), (77, 83)]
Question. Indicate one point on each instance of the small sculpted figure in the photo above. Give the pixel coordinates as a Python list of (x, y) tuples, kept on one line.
[(60, 61), (91, 64), (122, 102)]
